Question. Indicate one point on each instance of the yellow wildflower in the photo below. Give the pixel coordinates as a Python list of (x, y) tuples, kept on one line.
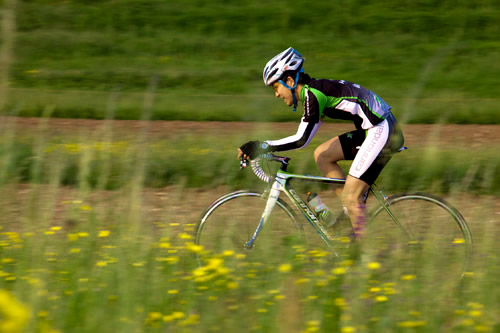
[(232, 285), (301, 280), (72, 237), (373, 265), (103, 233), (340, 302), (183, 235), (412, 323), (193, 319), (285, 268), (194, 248), (14, 315), (339, 270), (155, 316), (475, 313)]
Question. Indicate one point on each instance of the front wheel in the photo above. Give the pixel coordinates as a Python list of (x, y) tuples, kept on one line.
[(426, 233), (230, 222)]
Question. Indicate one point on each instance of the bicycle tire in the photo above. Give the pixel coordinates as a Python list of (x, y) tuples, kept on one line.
[(228, 224), (431, 226)]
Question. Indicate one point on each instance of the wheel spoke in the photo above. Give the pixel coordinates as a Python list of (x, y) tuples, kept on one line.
[(438, 241), (233, 220)]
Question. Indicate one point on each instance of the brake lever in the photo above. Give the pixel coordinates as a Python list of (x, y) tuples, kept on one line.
[(243, 163)]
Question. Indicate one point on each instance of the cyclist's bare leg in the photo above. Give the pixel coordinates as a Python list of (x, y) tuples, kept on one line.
[(326, 156), (352, 198)]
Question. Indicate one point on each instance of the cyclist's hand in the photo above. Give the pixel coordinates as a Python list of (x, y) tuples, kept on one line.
[(241, 155), (250, 150)]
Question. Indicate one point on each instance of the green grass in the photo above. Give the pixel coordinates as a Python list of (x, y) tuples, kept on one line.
[(82, 258), (432, 60), (97, 162)]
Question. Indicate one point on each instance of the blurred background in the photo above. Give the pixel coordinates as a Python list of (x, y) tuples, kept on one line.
[(97, 209), (433, 61)]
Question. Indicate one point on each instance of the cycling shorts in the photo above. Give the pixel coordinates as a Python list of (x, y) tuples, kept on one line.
[(370, 150)]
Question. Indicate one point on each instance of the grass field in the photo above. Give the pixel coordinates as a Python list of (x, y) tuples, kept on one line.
[(433, 61), (88, 256)]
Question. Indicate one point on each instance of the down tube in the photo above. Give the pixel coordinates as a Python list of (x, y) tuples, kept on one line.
[(309, 215), (271, 202)]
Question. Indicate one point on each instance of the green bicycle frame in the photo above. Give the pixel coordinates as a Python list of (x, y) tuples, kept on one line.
[(282, 184)]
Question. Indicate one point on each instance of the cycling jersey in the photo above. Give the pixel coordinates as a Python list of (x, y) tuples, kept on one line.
[(336, 99)]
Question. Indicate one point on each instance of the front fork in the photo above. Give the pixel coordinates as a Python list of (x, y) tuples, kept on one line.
[(272, 198)]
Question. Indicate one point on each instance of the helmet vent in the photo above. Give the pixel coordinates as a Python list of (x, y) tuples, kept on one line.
[(286, 53), (273, 73), (288, 60)]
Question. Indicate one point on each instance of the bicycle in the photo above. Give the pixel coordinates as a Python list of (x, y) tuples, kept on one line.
[(404, 223)]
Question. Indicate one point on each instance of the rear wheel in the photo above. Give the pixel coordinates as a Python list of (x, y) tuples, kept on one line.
[(230, 222), (426, 236)]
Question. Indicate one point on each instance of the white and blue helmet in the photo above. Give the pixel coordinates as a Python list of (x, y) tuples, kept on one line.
[(288, 60)]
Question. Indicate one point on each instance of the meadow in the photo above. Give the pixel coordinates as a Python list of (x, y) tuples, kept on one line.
[(97, 214), (96, 237)]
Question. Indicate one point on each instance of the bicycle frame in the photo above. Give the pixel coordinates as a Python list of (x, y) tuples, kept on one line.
[(282, 184)]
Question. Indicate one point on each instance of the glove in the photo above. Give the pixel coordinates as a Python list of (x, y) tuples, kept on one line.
[(254, 148)]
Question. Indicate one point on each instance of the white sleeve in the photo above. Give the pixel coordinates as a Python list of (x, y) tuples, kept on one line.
[(301, 139)]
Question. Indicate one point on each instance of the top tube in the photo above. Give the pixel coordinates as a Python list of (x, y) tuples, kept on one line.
[(282, 173)]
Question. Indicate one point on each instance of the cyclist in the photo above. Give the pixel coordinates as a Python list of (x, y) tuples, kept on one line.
[(376, 137)]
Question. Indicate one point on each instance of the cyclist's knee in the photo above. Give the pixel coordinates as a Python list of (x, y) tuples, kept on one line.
[(322, 156), (319, 155), (329, 152)]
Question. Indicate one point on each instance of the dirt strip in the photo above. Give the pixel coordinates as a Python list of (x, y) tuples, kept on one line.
[(473, 136)]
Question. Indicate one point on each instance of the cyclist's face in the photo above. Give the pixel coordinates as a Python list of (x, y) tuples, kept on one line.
[(283, 92)]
